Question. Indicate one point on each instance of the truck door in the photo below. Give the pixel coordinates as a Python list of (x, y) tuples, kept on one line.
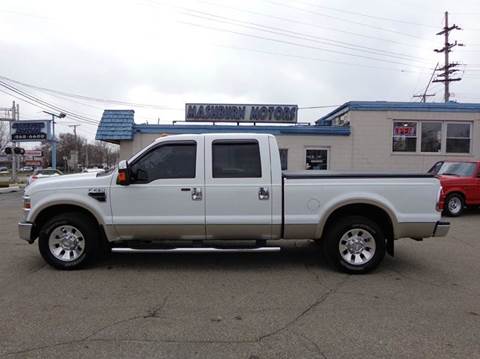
[(237, 187), (165, 197)]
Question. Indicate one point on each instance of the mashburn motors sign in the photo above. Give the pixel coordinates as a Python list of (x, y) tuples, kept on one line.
[(240, 113)]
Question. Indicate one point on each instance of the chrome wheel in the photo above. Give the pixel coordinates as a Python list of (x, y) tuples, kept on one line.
[(66, 243), (357, 246), (455, 205)]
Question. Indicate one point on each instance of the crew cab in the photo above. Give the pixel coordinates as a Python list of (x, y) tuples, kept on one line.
[(460, 181), (227, 190)]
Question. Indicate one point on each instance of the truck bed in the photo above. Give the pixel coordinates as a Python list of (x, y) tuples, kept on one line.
[(334, 174)]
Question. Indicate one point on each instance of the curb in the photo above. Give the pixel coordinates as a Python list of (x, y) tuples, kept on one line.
[(9, 189)]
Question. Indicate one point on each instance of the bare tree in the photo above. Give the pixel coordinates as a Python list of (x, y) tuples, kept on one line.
[(97, 154), (3, 135)]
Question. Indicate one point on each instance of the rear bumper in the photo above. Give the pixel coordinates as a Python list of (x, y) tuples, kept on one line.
[(419, 230), (441, 229), (25, 231)]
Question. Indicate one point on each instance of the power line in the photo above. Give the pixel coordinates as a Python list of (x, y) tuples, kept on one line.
[(366, 15), (318, 59), (299, 35), (295, 44), (89, 98), (296, 21), (47, 104), (22, 99), (42, 102), (423, 97), (379, 28)]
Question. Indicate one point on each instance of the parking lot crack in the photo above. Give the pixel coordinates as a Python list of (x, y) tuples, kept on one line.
[(155, 311), (317, 348), (110, 326), (306, 311), (43, 347), (316, 277), (464, 289), (151, 313), (119, 340)]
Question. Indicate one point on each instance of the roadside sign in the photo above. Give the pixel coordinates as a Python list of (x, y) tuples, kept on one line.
[(211, 112), (36, 153), (33, 163), (31, 131)]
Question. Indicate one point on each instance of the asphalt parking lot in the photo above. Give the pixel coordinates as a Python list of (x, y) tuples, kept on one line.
[(424, 303)]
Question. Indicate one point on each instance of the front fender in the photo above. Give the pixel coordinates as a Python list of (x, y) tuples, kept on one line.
[(97, 209)]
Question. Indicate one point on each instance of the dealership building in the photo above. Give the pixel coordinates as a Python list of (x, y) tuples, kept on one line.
[(359, 135)]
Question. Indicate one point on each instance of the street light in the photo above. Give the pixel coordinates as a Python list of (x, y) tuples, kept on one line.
[(54, 141)]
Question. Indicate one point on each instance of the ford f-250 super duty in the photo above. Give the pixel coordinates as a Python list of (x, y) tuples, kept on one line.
[(227, 188)]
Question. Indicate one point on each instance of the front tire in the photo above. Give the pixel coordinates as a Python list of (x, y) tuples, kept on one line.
[(454, 205), (69, 241), (354, 244)]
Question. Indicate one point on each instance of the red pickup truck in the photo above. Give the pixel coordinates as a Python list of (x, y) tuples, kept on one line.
[(460, 182)]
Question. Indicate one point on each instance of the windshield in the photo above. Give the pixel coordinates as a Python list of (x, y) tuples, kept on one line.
[(462, 169)]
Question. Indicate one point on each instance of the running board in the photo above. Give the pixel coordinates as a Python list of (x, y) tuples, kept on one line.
[(196, 250)]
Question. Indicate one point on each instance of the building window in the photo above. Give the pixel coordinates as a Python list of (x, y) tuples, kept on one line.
[(431, 137), (316, 159), (404, 137), (284, 158), (458, 137)]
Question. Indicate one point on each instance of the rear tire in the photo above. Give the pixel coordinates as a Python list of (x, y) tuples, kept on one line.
[(354, 244), (69, 241), (454, 205)]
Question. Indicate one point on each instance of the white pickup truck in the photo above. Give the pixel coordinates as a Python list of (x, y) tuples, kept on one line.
[(220, 189)]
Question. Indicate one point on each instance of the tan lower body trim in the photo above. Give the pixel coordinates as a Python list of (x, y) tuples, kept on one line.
[(414, 230)]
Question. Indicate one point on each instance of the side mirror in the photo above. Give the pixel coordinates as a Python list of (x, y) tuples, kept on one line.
[(123, 177)]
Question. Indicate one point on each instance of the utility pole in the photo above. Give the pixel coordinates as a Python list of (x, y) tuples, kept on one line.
[(86, 154), (423, 97), (54, 140), (75, 135), (13, 178), (448, 68), (10, 114), (75, 161), (17, 118)]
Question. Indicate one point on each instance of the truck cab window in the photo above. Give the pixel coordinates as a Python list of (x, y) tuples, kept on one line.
[(165, 161), (236, 159)]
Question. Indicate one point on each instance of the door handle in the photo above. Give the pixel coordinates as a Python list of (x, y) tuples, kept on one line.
[(263, 194), (185, 189), (196, 194)]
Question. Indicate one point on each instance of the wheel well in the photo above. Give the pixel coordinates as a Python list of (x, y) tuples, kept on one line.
[(47, 213), (372, 212), (461, 194)]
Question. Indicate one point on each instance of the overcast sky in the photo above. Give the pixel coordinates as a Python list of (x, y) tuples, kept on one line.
[(167, 53)]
